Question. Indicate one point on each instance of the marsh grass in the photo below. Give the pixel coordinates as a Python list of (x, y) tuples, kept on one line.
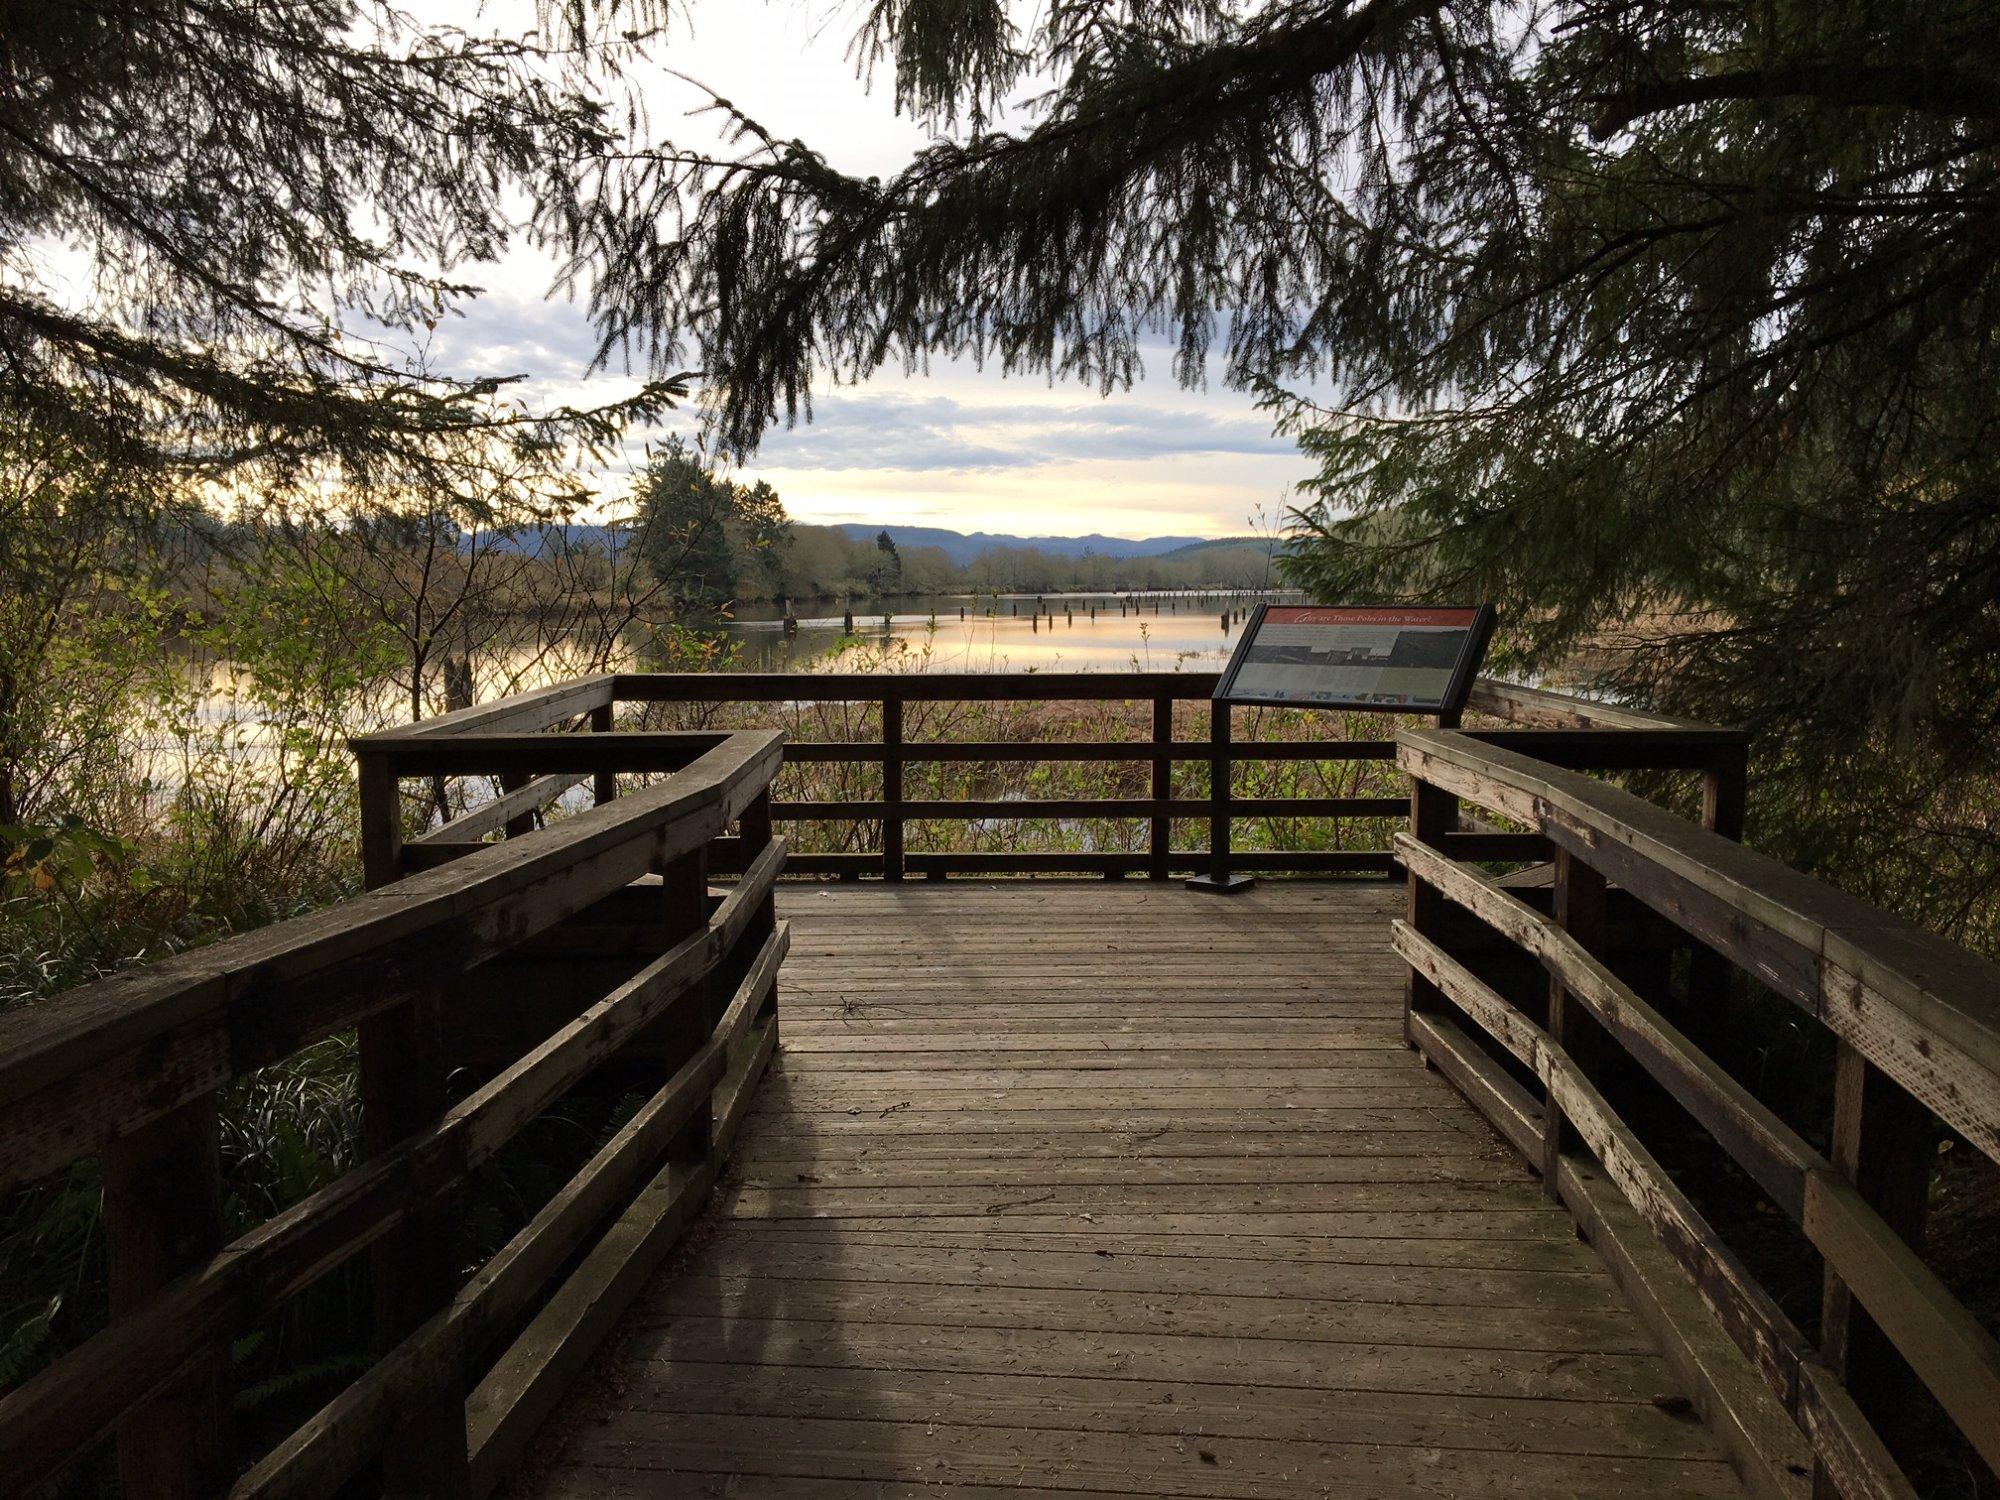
[(1030, 780)]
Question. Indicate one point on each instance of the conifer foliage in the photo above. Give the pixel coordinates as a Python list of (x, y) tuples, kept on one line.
[(227, 225), (1679, 316)]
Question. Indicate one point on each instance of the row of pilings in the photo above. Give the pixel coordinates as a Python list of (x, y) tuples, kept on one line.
[(1231, 607)]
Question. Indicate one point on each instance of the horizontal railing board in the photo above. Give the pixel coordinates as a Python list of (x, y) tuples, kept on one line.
[(1774, 1154), (1506, 700), (86, 1391), (84, 1394), (1092, 861), (1097, 807), (492, 754), (1528, 705), (909, 687), (1736, 1299), (490, 817), (1927, 1016), (1943, 1342), (83, 1068), (341, 1438), (525, 1384), (869, 751), (537, 708), (1730, 1394), (1918, 1006)]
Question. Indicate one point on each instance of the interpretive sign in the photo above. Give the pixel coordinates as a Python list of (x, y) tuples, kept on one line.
[(1399, 659)]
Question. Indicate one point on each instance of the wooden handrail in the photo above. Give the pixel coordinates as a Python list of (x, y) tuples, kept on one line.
[(492, 817), (1540, 707), (910, 687), (1614, 739), (1917, 1020), (130, 1067), (1918, 1006), (521, 713), (72, 1074)]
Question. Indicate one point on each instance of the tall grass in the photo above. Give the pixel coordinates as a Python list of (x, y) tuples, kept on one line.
[(1029, 780)]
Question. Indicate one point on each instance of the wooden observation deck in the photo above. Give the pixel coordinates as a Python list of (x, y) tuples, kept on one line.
[(1113, 1188), (1392, 1181)]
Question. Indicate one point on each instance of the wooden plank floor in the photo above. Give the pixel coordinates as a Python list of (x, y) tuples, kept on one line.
[(1113, 1188)]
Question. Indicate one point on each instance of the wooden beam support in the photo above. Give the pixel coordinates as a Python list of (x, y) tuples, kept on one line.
[(163, 1217), (1160, 836), (1579, 902), (1883, 1145), (603, 784), (1433, 814), (892, 789)]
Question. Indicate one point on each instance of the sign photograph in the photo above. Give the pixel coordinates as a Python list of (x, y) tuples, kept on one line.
[(1399, 659)]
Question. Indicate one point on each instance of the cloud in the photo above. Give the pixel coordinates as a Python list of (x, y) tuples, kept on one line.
[(899, 430)]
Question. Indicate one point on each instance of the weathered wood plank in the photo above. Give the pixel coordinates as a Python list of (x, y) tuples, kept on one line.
[(835, 1255), (1010, 1166), (1038, 1458), (489, 817), (1300, 1363), (1072, 1403)]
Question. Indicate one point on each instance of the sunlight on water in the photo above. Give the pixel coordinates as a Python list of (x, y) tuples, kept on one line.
[(1025, 633)]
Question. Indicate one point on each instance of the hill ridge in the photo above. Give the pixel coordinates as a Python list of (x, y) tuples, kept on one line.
[(966, 546)]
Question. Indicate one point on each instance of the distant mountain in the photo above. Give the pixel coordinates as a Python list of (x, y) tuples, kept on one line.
[(963, 547), (1254, 544), (533, 541)]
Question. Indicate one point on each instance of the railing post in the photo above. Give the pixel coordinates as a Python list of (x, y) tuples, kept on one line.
[(1433, 814), (603, 784), (892, 789), (755, 828), (1882, 1143), (1725, 782), (687, 1025), (1218, 877), (162, 1217), (381, 819), (1724, 785), (1579, 910), (513, 781), (1162, 832), (415, 1266)]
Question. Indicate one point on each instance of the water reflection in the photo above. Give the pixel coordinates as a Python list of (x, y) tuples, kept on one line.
[(1096, 632)]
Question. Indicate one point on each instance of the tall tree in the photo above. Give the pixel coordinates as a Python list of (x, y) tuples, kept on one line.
[(887, 574), (226, 226), (700, 532), (1679, 316)]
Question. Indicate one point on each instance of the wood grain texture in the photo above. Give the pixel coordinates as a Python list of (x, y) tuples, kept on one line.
[(1009, 1216)]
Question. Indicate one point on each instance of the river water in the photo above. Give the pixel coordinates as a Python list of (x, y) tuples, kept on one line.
[(1155, 631)]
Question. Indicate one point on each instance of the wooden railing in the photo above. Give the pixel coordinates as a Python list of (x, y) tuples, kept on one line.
[(1617, 741), (615, 960), (1916, 1025), (672, 988), (891, 695)]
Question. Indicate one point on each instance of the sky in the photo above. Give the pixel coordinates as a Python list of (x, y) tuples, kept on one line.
[(956, 447)]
